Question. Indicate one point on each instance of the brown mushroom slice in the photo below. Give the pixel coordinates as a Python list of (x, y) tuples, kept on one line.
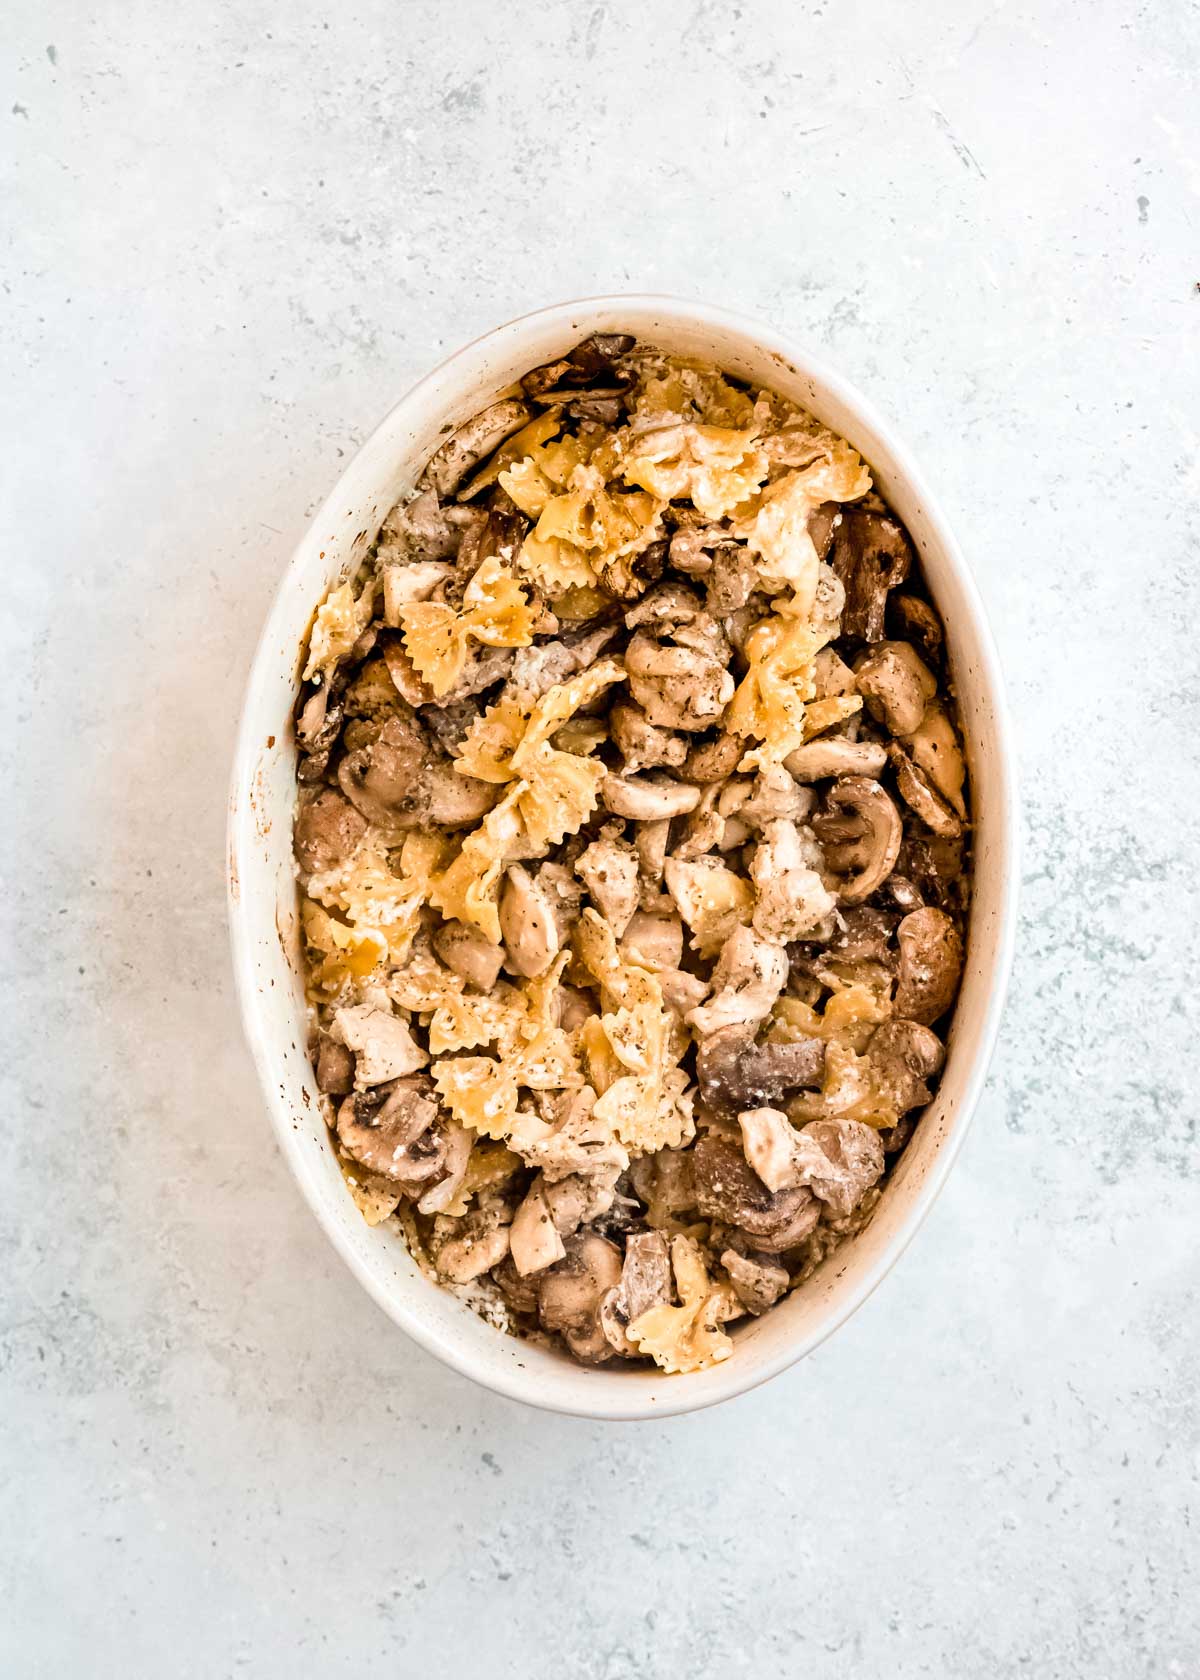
[(328, 828), (571, 1292), (930, 965), (469, 954), (647, 798), (735, 1073), (903, 1056), (920, 795), (897, 685), (473, 442), (918, 622), (455, 801), (645, 1283), (758, 1281), (728, 1189), (534, 1242), (834, 755), (387, 781), (934, 749), (870, 556), (478, 1244), (334, 1067), (527, 923), (379, 1131), (520, 1293), (871, 857)]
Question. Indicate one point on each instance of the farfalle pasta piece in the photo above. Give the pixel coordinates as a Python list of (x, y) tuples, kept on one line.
[(775, 524), (495, 611), (347, 955), (775, 701), (456, 1019), (528, 440), (468, 890), (718, 467), (587, 529), (373, 898), (340, 621), (643, 1104), (688, 1337), (533, 1053), (554, 794)]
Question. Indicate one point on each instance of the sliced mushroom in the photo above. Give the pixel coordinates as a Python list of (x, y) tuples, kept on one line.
[(480, 1241), (931, 961), (469, 954), (380, 1131), (758, 1281), (834, 755), (838, 1160), (388, 780), (904, 1055), (865, 935), (571, 1292), (867, 860), (870, 555), (934, 749), (897, 685), (920, 795), (472, 442), (609, 871), (527, 923), (736, 1073), (456, 801), (918, 622), (728, 1189), (328, 828), (647, 798), (645, 1283), (534, 1242), (383, 1046), (334, 1067)]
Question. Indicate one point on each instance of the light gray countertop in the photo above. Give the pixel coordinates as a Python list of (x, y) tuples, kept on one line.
[(234, 236)]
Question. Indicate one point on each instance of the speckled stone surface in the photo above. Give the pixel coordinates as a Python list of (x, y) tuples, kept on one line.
[(233, 236)]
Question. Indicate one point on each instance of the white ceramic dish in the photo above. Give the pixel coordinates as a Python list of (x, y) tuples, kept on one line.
[(262, 903)]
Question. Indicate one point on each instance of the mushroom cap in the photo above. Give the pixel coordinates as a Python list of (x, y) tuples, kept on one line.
[(386, 1136), (870, 555), (735, 1073), (930, 965), (872, 856), (728, 1189), (834, 755), (897, 684), (478, 437), (328, 828), (571, 1292), (904, 1054), (469, 953), (758, 1281), (920, 795)]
